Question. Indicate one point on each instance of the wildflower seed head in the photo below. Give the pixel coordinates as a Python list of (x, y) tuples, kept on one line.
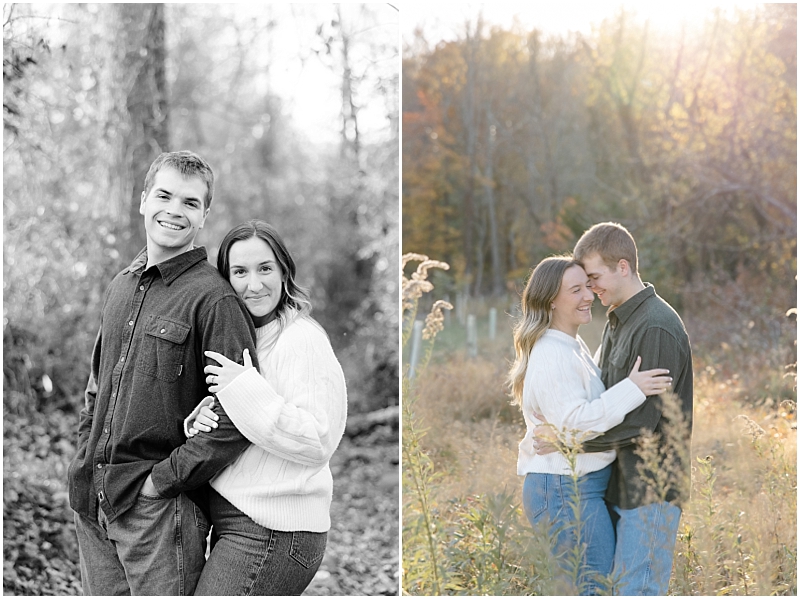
[(751, 427), (413, 290), (411, 256), (434, 321), (421, 273)]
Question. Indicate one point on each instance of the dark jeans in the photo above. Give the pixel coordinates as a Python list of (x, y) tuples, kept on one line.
[(155, 548), (248, 559)]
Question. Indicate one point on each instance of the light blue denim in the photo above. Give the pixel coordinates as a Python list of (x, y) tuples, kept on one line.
[(645, 545), (547, 498)]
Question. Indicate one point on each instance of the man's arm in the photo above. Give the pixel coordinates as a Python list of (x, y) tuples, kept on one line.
[(90, 396), (658, 349), (227, 329)]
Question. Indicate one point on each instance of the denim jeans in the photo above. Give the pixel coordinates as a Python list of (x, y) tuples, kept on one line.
[(547, 498), (157, 547), (248, 559), (645, 545)]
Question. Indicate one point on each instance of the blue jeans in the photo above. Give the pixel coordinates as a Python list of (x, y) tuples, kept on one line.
[(645, 545), (157, 547), (248, 559), (547, 497)]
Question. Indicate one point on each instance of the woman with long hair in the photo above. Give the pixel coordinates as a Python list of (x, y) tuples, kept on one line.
[(554, 379), (270, 509)]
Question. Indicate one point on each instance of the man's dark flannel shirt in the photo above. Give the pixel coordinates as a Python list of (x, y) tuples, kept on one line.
[(147, 376), (645, 326)]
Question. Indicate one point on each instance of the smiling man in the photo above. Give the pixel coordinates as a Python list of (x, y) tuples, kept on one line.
[(640, 323), (136, 484)]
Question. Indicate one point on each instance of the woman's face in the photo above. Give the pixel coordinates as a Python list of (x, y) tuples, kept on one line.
[(255, 275), (573, 304)]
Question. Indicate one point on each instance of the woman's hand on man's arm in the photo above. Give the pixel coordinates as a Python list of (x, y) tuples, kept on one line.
[(203, 419)]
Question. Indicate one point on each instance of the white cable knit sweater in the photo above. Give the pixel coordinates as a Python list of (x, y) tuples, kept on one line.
[(294, 414), (563, 384)]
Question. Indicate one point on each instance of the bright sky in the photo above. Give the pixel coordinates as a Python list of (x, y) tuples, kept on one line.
[(444, 22), (312, 90)]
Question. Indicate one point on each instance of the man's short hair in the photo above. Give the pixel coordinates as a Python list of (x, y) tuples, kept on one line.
[(187, 164), (612, 242)]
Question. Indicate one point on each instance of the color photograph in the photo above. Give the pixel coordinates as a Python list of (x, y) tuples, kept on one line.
[(599, 254)]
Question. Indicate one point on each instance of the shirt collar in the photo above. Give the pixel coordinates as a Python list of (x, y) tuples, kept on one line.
[(170, 269), (624, 312)]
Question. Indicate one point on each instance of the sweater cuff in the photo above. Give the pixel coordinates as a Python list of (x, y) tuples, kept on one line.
[(629, 395), (241, 397)]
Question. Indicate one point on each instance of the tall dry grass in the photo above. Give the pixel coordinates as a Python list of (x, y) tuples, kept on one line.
[(737, 534)]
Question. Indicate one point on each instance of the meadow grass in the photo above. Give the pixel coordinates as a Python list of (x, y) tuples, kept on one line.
[(738, 533)]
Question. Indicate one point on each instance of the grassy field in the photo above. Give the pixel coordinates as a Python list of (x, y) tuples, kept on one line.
[(464, 532)]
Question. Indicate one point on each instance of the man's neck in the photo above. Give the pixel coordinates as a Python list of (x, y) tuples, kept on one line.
[(634, 287)]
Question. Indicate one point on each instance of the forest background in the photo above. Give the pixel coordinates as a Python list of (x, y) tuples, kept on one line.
[(296, 109), (514, 143)]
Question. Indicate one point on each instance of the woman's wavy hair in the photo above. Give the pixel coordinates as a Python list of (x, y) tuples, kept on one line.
[(294, 301), (537, 298)]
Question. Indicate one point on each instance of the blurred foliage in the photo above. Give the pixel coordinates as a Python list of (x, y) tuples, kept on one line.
[(40, 549), (515, 142), (70, 204)]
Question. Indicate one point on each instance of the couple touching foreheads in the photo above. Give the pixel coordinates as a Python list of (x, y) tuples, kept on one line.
[(627, 534)]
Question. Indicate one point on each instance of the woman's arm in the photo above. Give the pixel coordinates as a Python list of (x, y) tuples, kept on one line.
[(301, 415), (563, 400)]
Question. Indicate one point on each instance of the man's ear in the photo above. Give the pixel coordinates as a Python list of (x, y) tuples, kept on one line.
[(623, 267), (203, 222), (141, 204)]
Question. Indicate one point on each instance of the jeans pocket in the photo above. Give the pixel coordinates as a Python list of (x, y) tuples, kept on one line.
[(308, 548), (534, 496), (200, 520)]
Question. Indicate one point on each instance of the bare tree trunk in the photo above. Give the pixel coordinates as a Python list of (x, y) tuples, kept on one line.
[(350, 147), (488, 194), (149, 112), (471, 129), (134, 101)]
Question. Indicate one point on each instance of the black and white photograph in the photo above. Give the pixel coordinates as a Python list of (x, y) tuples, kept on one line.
[(200, 299)]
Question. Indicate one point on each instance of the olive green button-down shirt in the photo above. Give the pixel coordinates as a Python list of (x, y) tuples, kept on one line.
[(645, 326)]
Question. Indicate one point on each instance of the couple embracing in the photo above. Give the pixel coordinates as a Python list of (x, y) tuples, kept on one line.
[(627, 534), (150, 440)]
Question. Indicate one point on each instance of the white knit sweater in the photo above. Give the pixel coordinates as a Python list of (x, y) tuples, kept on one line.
[(294, 414), (563, 384)]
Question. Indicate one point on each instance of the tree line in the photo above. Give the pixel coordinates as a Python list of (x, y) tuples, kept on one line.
[(514, 142)]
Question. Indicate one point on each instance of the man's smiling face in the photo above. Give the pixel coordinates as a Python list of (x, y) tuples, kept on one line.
[(174, 211), (606, 283)]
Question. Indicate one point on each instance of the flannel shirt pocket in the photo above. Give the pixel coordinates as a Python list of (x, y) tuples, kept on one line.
[(163, 348)]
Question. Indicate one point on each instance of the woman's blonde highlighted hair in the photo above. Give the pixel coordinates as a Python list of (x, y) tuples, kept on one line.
[(540, 291)]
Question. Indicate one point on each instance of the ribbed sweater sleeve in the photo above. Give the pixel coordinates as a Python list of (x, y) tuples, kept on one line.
[(297, 410), (561, 392)]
